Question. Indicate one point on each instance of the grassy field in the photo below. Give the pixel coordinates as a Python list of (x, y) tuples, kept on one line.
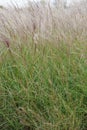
[(43, 86)]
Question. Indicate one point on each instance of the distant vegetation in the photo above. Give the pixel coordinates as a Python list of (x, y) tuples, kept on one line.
[(43, 68), (1, 7)]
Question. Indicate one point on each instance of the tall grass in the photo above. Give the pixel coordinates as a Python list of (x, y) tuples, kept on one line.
[(43, 68)]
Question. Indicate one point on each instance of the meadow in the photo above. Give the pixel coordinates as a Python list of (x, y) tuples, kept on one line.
[(43, 68)]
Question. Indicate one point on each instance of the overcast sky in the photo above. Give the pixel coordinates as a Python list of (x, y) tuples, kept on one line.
[(22, 2), (9, 2)]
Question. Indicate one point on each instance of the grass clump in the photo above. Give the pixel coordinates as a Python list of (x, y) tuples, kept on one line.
[(43, 67), (44, 88)]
